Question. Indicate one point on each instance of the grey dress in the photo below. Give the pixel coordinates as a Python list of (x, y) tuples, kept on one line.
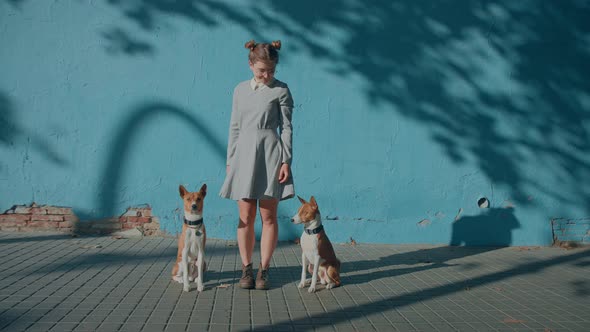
[(260, 136)]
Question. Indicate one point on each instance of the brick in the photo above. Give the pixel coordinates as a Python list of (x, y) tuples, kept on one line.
[(127, 225), (71, 218), (59, 210), (10, 229), (14, 217), (138, 212), (43, 224), (13, 224), (151, 226), (38, 210), (46, 217), (138, 219), (65, 224)]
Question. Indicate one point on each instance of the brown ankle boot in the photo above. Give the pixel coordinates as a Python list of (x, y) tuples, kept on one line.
[(262, 281), (247, 279)]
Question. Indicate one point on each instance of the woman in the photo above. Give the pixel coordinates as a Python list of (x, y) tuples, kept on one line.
[(259, 157)]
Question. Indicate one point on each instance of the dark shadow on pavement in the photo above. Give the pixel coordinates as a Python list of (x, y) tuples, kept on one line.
[(352, 312)]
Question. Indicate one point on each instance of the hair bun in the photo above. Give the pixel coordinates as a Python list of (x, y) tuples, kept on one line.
[(276, 44), (250, 45)]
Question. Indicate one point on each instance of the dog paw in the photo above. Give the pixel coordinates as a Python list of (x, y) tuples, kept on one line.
[(301, 284), (191, 279), (323, 282), (311, 289), (178, 279), (186, 288), (200, 288), (330, 286)]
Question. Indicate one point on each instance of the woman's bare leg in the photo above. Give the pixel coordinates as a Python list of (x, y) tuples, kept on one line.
[(270, 230), (246, 239)]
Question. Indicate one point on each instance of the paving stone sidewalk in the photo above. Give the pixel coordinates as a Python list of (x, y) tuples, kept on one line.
[(54, 282)]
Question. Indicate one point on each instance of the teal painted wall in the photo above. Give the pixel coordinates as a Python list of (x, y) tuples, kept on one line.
[(406, 112)]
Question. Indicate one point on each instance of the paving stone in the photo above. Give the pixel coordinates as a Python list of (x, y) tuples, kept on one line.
[(385, 288)]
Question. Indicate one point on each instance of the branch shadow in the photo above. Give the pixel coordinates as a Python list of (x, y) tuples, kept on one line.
[(483, 77), (13, 134), (486, 79), (467, 73), (351, 312)]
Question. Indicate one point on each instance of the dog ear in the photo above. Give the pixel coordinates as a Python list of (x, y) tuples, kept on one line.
[(313, 202), (301, 200), (182, 191), (204, 190)]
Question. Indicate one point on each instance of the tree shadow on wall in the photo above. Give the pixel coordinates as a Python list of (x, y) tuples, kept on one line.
[(486, 78), (12, 135), (499, 84)]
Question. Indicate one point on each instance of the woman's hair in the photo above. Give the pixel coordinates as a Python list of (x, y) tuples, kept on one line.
[(264, 52)]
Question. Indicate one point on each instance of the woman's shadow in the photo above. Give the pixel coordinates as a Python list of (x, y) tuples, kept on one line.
[(471, 235)]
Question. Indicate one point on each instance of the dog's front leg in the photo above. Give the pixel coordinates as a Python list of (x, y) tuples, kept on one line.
[(314, 277), (185, 269), (303, 267), (185, 262), (178, 276), (200, 263)]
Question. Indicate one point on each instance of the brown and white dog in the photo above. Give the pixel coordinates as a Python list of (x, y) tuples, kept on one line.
[(190, 259), (316, 248)]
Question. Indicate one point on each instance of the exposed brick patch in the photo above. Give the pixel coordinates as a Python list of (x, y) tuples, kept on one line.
[(22, 218), (139, 217)]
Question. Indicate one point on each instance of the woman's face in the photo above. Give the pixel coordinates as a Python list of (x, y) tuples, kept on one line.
[(263, 72)]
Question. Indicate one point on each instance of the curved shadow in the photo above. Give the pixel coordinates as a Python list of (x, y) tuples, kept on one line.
[(124, 139), (128, 133)]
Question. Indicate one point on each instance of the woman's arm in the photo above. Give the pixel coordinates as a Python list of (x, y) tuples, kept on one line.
[(234, 130), (286, 105)]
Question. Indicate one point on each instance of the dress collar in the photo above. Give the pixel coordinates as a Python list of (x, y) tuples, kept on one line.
[(258, 85)]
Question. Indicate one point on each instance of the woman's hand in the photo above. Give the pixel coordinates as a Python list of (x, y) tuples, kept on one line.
[(284, 173)]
